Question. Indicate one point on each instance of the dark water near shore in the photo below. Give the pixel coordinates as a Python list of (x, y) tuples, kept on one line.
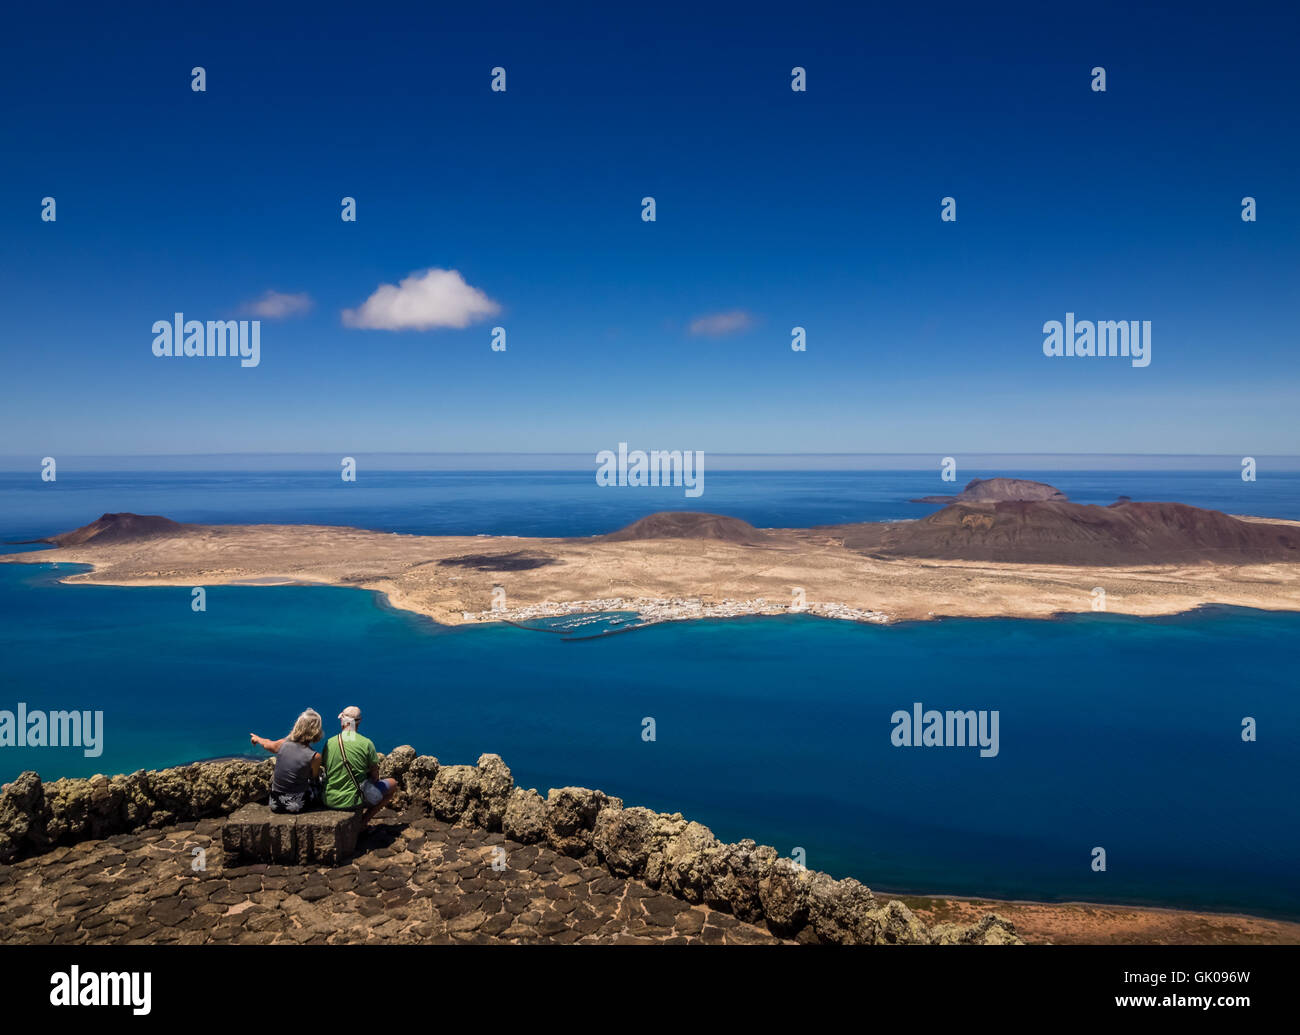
[(1114, 732)]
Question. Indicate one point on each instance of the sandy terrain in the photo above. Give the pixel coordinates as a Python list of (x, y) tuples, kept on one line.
[(1083, 923), (552, 575)]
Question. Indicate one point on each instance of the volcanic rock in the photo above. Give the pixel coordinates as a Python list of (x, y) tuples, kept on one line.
[(999, 490), (681, 524), (118, 528), (1050, 532)]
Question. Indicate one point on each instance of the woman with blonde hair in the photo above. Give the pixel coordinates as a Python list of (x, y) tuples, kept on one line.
[(295, 786)]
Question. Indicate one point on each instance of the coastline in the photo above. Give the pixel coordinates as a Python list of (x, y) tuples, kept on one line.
[(654, 610), (658, 611), (456, 580)]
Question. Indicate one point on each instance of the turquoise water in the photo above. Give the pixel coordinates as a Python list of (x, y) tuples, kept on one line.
[(1114, 732)]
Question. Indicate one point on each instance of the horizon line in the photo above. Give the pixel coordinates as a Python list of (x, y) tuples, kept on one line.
[(967, 465), (553, 452)]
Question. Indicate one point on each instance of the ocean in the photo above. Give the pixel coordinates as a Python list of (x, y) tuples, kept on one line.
[(570, 503), (1115, 732)]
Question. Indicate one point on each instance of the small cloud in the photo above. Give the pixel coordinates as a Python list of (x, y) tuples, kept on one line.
[(715, 325), (422, 301), (275, 305)]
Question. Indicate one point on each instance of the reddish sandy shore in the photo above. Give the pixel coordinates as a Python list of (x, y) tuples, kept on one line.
[(1086, 923)]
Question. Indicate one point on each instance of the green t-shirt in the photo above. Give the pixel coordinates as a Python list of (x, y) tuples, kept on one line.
[(340, 791)]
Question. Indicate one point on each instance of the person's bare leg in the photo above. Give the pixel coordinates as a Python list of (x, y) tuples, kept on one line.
[(390, 786)]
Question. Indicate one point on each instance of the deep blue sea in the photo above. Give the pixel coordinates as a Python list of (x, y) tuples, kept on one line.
[(1115, 732), (570, 503)]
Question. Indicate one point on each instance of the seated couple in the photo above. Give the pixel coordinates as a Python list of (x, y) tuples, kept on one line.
[(348, 762)]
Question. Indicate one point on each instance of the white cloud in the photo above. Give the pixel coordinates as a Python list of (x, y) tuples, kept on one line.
[(424, 300), (275, 305), (715, 325)]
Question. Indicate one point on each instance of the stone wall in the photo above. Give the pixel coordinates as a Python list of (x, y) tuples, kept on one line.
[(666, 851), (675, 855), (35, 817)]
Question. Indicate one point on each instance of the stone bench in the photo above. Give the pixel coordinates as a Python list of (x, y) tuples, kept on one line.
[(323, 836)]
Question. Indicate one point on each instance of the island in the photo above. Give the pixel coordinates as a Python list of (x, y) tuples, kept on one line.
[(975, 557)]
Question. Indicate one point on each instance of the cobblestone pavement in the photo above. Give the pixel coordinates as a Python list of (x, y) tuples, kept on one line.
[(418, 882)]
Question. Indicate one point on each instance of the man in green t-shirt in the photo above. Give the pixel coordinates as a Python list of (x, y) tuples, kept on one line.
[(351, 767)]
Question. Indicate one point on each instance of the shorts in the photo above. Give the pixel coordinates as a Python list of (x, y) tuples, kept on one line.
[(373, 793), (298, 801)]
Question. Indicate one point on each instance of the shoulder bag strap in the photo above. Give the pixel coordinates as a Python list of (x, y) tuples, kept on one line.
[(348, 766)]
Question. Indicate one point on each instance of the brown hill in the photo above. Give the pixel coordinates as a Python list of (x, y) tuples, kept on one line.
[(678, 524), (1050, 532), (1000, 490), (118, 528)]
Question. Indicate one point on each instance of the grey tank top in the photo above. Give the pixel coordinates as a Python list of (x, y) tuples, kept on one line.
[(292, 768)]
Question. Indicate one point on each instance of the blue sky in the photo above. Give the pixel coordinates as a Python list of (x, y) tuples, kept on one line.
[(818, 209)]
